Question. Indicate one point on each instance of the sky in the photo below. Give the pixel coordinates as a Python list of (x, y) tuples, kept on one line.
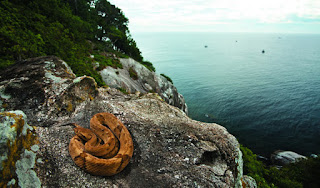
[(276, 16)]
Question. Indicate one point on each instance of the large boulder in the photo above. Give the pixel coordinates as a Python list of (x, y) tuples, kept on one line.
[(170, 149), (285, 157), (134, 77)]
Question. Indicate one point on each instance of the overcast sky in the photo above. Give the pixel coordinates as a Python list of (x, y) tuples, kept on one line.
[(289, 16)]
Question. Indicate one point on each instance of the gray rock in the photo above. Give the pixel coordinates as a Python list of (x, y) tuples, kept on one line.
[(146, 81), (285, 157), (314, 156), (36, 86), (170, 149), (249, 182)]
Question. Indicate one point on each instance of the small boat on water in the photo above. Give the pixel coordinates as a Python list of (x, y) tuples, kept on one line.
[(263, 51)]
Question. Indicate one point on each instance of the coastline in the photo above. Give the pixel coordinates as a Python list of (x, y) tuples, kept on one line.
[(261, 99)]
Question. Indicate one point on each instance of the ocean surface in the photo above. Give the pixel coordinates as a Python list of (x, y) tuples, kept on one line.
[(269, 101)]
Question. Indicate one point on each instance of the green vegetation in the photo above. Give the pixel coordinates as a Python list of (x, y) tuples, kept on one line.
[(149, 65), (124, 91), (167, 77), (105, 61), (133, 74), (69, 29), (304, 173)]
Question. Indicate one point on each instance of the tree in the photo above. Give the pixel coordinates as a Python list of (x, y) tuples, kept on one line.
[(113, 26), (69, 29)]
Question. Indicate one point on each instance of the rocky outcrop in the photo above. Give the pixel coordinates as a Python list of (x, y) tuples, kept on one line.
[(249, 182), (170, 149), (134, 77), (285, 157)]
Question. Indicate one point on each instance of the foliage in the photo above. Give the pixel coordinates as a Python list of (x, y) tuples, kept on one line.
[(17, 41), (84, 67), (167, 77), (105, 61), (124, 91), (133, 74), (149, 65), (253, 167), (304, 173), (113, 27), (69, 29)]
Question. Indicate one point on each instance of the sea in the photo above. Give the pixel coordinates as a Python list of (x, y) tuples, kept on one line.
[(264, 88)]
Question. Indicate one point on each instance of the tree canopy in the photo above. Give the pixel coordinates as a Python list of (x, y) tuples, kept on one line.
[(69, 29)]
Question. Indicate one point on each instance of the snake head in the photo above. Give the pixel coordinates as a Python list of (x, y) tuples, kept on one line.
[(83, 133)]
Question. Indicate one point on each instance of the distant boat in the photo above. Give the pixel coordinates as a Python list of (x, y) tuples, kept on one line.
[(206, 46), (263, 51)]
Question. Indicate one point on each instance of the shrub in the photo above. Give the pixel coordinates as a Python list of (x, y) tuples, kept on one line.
[(124, 91), (167, 77), (105, 61), (253, 167), (85, 67), (304, 173), (148, 65), (133, 74)]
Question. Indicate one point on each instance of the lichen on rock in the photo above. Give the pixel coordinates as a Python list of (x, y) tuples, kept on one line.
[(4, 95), (16, 138), (27, 177), (3, 98), (248, 182), (239, 168)]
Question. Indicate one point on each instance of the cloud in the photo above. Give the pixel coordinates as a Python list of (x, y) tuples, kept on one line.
[(296, 18), (181, 14)]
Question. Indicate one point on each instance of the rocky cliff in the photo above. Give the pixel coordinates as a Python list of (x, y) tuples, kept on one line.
[(170, 149), (134, 77)]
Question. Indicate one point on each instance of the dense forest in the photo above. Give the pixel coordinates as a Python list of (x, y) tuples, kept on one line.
[(70, 29)]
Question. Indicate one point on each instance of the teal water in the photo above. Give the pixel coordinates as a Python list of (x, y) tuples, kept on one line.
[(269, 101)]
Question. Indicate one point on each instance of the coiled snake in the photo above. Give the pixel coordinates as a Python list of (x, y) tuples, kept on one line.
[(105, 149)]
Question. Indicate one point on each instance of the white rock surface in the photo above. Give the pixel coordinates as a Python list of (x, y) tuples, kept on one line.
[(285, 157), (147, 82)]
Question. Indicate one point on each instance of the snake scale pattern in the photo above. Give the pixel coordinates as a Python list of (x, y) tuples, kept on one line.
[(105, 149)]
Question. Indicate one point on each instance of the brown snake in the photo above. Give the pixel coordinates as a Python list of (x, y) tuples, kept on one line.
[(105, 149)]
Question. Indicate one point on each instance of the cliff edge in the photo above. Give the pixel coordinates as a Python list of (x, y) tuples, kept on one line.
[(134, 77), (170, 149)]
